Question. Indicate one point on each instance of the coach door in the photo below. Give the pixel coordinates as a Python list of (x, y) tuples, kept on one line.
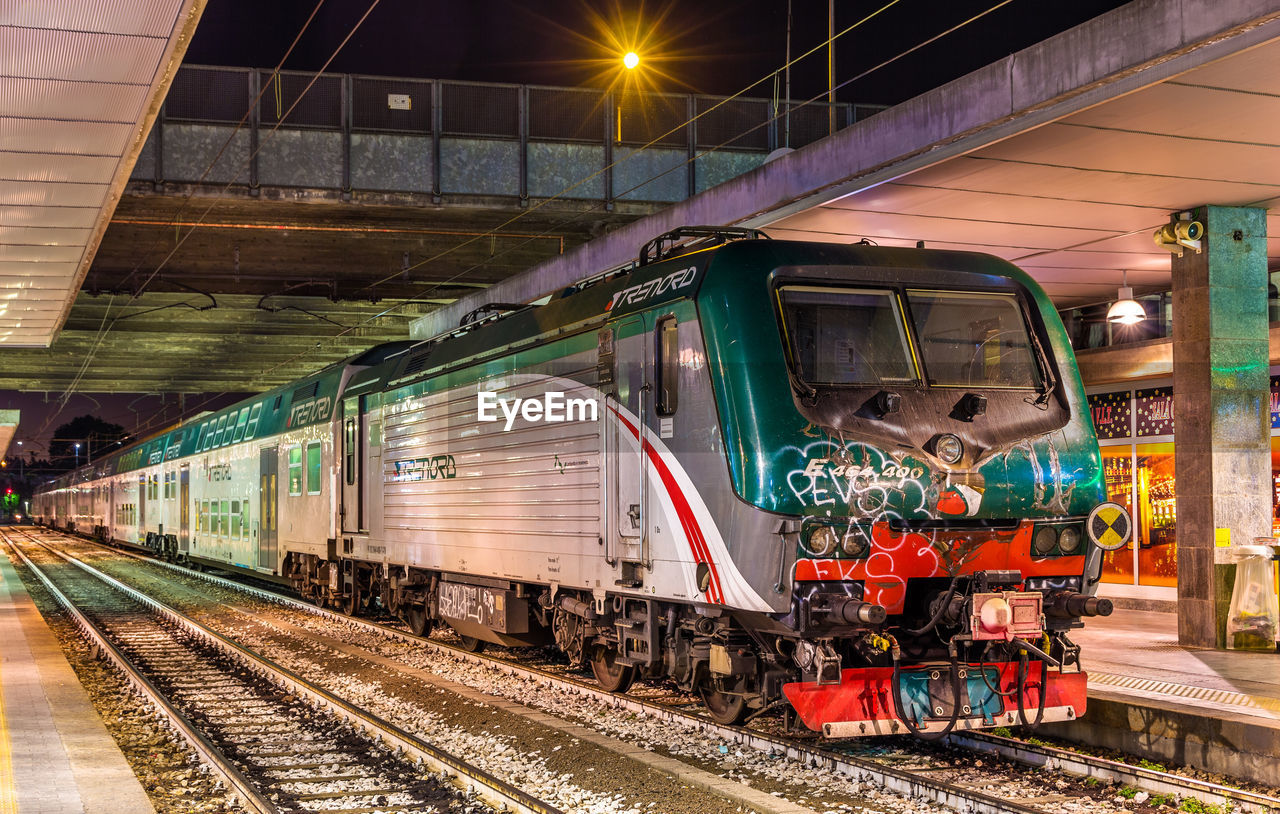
[(184, 508), (268, 509), (142, 510), (627, 466), (352, 465)]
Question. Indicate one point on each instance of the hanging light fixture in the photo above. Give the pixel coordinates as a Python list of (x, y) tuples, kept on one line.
[(1126, 310)]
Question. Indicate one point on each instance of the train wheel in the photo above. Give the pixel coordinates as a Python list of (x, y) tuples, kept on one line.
[(415, 616), (611, 675), (727, 706), (351, 602), (471, 644)]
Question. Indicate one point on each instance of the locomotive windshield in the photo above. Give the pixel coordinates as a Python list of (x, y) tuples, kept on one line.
[(851, 336), (846, 336), (971, 339)]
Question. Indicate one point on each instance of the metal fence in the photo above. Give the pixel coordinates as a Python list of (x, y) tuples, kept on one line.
[(383, 134)]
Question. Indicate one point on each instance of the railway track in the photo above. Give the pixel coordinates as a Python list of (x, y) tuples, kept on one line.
[(281, 743), (916, 784)]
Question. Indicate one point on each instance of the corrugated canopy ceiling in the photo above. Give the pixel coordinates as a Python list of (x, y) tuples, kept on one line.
[(80, 85)]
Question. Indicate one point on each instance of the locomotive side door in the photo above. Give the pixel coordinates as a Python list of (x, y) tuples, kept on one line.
[(627, 467), (353, 465), (184, 507), (268, 468)]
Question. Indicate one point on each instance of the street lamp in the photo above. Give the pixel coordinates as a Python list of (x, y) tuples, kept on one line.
[(631, 60), (77, 456)]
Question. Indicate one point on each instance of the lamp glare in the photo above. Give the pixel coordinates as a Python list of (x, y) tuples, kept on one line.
[(1126, 310), (631, 60)]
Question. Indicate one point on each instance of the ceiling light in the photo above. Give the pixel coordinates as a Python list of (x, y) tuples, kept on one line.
[(1126, 310)]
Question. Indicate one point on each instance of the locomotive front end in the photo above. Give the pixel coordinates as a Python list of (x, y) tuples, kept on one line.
[(926, 439)]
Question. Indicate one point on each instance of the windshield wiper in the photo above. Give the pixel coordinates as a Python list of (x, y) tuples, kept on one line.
[(1051, 381), (808, 393)]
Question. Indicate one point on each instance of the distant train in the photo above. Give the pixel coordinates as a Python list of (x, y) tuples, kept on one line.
[(855, 484)]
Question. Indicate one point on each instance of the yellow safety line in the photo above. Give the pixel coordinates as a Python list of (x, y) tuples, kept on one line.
[(8, 791)]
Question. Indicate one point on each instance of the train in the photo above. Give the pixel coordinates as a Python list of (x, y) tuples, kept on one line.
[(854, 486)]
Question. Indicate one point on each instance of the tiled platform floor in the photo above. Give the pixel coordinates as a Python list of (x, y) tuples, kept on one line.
[(1212, 709), (56, 755)]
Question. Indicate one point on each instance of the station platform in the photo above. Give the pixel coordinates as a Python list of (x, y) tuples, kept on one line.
[(1216, 710), (55, 753)]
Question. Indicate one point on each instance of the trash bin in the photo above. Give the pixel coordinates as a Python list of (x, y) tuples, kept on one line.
[(1254, 614)]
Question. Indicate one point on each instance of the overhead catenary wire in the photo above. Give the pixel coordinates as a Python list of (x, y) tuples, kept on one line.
[(97, 343), (435, 285), (594, 206)]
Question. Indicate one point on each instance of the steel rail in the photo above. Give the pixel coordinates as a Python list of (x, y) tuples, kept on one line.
[(1064, 760), (909, 784), (494, 792), (232, 777), (1151, 781)]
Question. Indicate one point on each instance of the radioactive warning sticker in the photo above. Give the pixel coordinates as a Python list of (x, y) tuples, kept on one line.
[(1109, 526)]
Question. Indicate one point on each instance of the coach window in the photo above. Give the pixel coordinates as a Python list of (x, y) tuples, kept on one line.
[(667, 365), (244, 519), (252, 426), (217, 433), (313, 468), (226, 517), (241, 424), (295, 471), (235, 519)]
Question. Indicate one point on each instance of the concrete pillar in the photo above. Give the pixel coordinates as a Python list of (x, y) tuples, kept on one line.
[(1221, 393)]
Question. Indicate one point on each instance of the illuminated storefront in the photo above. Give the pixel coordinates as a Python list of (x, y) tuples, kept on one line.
[(1136, 436)]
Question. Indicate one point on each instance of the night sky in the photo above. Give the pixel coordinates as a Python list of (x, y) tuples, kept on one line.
[(702, 47), (690, 47)]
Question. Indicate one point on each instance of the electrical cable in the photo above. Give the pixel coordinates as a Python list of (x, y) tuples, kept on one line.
[(262, 142), (428, 289), (436, 285), (895, 689)]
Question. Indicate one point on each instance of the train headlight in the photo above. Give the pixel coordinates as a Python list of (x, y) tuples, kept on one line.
[(854, 543), (823, 541), (1069, 539), (948, 447), (1044, 541)]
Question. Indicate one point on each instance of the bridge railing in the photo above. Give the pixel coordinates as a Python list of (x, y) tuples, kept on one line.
[(440, 138)]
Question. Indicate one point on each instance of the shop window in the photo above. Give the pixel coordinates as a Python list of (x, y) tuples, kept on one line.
[(313, 468), (295, 471), (1117, 469), (1154, 520)]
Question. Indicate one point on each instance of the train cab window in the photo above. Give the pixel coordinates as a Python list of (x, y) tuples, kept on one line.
[(846, 336), (313, 468), (666, 365), (973, 339), (349, 450), (295, 471)]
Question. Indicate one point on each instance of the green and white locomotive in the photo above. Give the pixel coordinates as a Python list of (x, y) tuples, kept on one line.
[(856, 484)]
